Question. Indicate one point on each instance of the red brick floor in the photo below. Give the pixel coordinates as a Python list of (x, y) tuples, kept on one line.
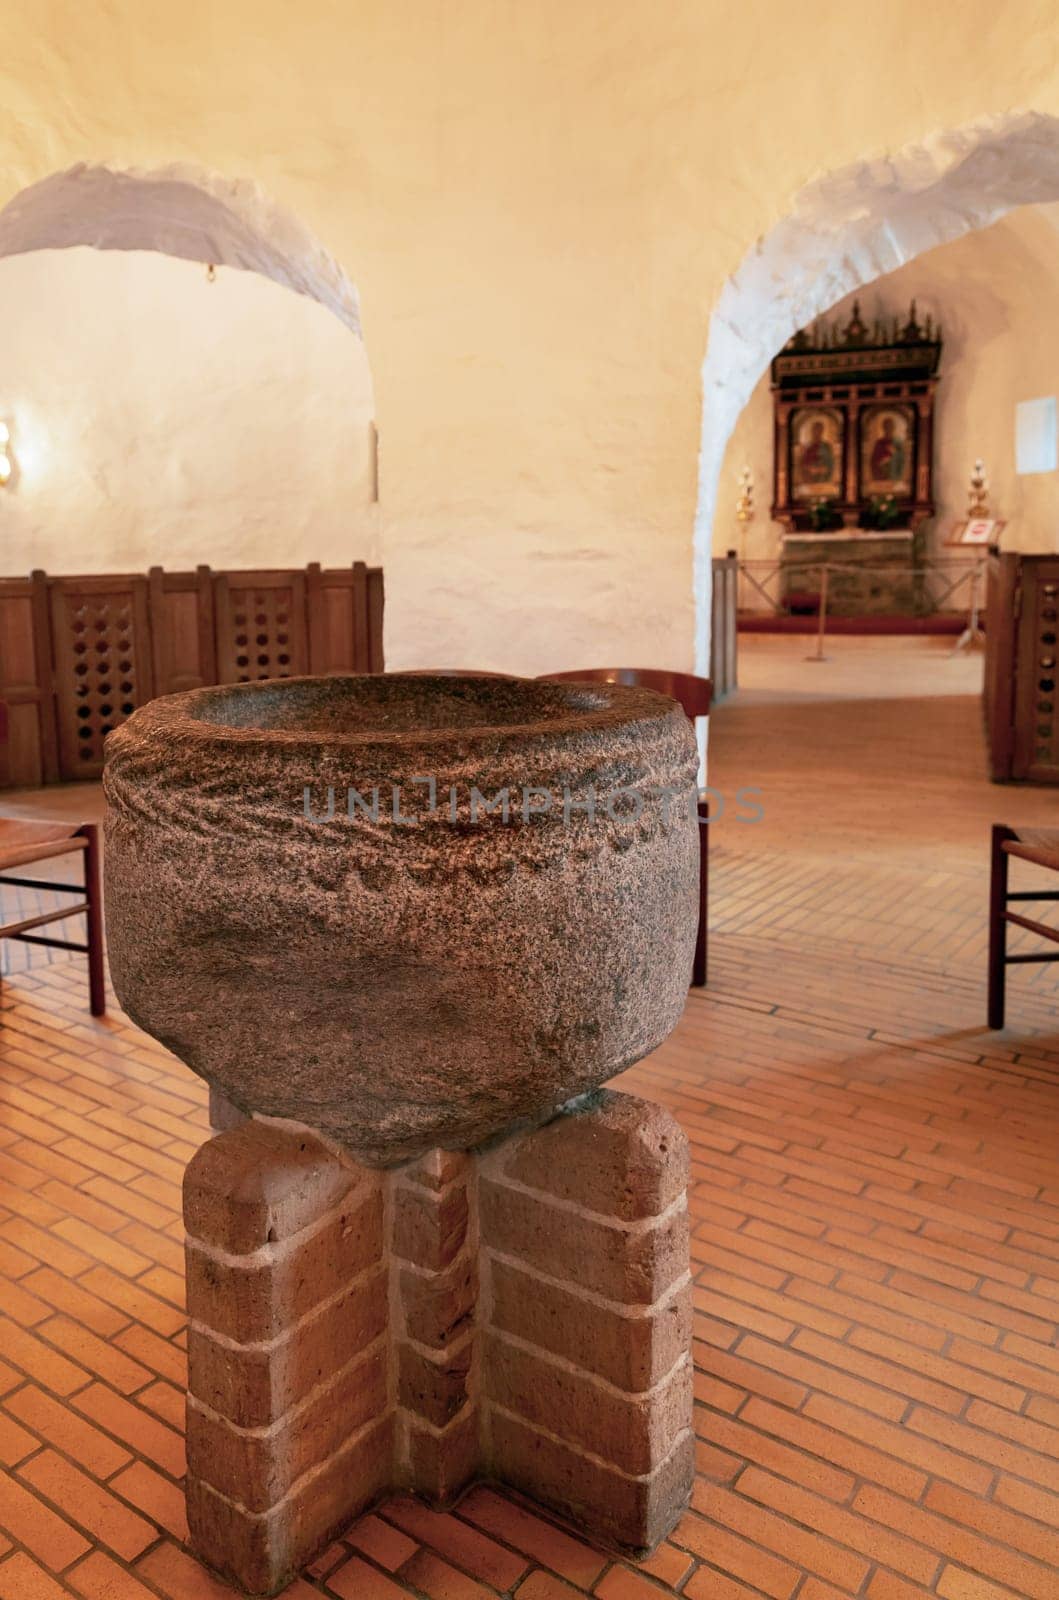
[(876, 1241)]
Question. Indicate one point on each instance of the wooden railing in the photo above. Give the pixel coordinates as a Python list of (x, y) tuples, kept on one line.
[(936, 584), (78, 655)]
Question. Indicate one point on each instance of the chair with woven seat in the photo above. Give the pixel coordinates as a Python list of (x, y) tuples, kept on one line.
[(1041, 847), (21, 844), (693, 695)]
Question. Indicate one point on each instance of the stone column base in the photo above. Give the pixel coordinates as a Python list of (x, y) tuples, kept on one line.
[(521, 1314)]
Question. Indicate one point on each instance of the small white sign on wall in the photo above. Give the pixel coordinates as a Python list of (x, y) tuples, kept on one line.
[(1036, 436)]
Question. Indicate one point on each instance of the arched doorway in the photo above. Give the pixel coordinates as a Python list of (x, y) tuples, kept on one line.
[(844, 230), (179, 211), (185, 388), (176, 385)]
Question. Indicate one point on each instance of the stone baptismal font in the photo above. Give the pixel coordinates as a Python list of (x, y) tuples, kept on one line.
[(405, 927)]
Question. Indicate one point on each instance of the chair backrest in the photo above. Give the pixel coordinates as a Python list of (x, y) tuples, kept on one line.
[(689, 691)]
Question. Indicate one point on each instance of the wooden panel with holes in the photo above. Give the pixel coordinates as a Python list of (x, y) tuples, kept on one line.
[(998, 682), (101, 658), (1036, 744), (79, 654), (260, 619)]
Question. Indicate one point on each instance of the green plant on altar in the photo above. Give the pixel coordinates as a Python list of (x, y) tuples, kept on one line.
[(882, 511), (823, 515)]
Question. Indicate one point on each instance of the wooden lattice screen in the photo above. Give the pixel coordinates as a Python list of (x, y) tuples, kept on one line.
[(78, 655), (1021, 692), (102, 664), (1036, 678), (261, 629)]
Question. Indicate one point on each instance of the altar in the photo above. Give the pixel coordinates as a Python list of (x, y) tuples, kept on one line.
[(869, 573), (854, 469)]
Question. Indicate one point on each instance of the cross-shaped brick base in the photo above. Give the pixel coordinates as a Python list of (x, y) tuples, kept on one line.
[(521, 1313)]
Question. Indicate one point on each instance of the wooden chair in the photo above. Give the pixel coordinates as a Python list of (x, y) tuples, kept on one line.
[(693, 695), (22, 843), (1041, 846)]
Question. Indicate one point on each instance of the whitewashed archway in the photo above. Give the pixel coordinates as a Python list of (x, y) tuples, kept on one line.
[(178, 211), (844, 230), (238, 426)]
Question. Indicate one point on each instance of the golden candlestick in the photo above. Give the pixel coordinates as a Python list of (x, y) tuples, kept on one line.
[(744, 506), (978, 493)]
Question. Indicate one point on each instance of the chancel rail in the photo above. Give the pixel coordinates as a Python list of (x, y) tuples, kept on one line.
[(940, 585)]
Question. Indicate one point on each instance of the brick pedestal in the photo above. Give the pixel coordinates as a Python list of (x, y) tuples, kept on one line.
[(586, 1318), (520, 1313)]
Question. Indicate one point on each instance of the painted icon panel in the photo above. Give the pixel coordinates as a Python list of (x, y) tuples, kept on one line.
[(887, 450), (817, 437)]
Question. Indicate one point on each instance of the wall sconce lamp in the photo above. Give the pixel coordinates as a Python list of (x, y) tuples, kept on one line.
[(7, 465)]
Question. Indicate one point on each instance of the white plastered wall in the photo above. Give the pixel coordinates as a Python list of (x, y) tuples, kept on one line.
[(161, 413), (160, 417)]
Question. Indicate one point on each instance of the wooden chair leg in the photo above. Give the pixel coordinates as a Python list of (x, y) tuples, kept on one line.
[(97, 992), (998, 894), (698, 966)]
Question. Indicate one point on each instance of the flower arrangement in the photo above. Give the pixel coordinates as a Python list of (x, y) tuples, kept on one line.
[(882, 511), (823, 515)]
